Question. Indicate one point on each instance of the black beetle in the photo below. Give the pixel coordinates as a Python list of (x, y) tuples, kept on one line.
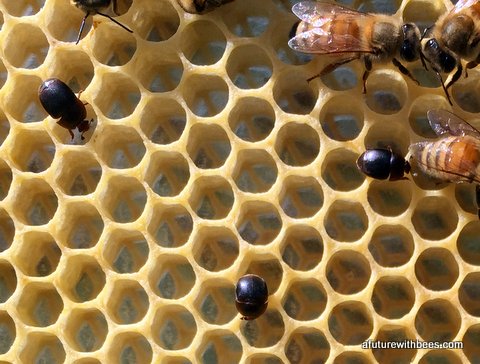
[(59, 101), (251, 296), (383, 164), (94, 7)]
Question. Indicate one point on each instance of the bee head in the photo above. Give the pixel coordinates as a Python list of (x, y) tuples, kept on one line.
[(410, 48), (440, 59)]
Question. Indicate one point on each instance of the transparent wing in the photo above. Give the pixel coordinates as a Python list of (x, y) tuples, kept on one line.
[(311, 11), (463, 4), (443, 122)]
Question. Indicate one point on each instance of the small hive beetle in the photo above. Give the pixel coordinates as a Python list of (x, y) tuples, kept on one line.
[(59, 101), (94, 7), (201, 6), (251, 296), (383, 164)]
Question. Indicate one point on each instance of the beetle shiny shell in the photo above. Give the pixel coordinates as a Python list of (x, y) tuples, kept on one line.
[(383, 164), (251, 296), (59, 101)]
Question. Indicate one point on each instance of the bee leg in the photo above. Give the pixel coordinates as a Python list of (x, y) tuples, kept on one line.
[(456, 75), (331, 67), (439, 76), (404, 70), (116, 22), (477, 198), (470, 65), (368, 68), (82, 26)]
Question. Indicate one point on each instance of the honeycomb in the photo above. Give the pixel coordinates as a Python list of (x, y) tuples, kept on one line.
[(210, 157)]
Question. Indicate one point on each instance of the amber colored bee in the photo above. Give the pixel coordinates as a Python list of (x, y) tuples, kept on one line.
[(349, 35), (94, 7), (201, 6), (455, 157), (455, 36)]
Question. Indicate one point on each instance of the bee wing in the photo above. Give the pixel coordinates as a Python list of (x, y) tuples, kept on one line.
[(320, 39), (463, 4), (444, 122)]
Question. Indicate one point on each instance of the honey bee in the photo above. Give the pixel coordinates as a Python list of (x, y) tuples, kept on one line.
[(455, 157), (349, 35), (201, 6), (94, 7), (455, 36)]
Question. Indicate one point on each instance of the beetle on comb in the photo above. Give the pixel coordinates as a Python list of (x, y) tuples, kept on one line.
[(94, 7)]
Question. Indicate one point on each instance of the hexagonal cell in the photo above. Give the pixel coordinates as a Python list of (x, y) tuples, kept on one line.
[(160, 75), (268, 267), (126, 251), (36, 202), (212, 198), (302, 247), (263, 359), (301, 197), (156, 22), (120, 147), (82, 278), (203, 43), (7, 230), (112, 45), (41, 347), (7, 332), (351, 357), (32, 151), (173, 327), (393, 296), (173, 277), (436, 269), (350, 322), (175, 360), (340, 120), (434, 218), (341, 79), (252, 119), (205, 95), (468, 243), (78, 173), (38, 254), (417, 117), (162, 120), (468, 293), (86, 329), (348, 271), (170, 225), (258, 223), (440, 356), (129, 348), (79, 226), (395, 333), (208, 146), (255, 171), (8, 280), (465, 196), (297, 144), (64, 22), (251, 19), (465, 93), (265, 331), (249, 67), (384, 134), (390, 198), (215, 248), (307, 345), (372, 6), (216, 301), (73, 67), (304, 299), (470, 340), (219, 346), (117, 96), (340, 172), (127, 302), (293, 94), (386, 92), (124, 199), (23, 8), (34, 50), (167, 173), (39, 305), (437, 320), (391, 245), (22, 103), (346, 221)]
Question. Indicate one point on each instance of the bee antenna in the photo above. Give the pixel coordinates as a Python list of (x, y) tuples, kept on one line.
[(115, 21), (425, 31), (81, 27), (422, 59)]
